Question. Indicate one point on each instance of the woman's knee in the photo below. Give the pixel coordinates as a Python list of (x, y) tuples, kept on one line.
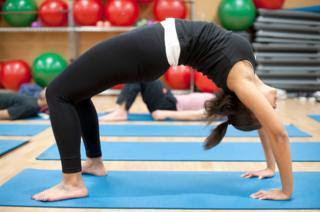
[(51, 92)]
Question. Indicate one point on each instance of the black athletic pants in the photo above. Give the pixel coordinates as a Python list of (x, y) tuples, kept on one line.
[(154, 95), (135, 56)]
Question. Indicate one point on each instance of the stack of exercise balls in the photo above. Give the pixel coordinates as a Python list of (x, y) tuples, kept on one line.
[(54, 13)]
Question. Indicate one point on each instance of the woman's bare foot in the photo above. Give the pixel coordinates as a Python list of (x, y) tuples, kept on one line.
[(94, 166), (71, 187), (117, 115)]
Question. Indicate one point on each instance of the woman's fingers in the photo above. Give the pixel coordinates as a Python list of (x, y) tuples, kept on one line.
[(258, 194)]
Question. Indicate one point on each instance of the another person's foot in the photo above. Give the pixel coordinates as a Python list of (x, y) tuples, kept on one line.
[(67, 189), (117, 115), (94, 166)]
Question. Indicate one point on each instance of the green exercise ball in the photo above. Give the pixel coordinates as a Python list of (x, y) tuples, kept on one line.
[(46, 67), (20, 19), (236, 15)]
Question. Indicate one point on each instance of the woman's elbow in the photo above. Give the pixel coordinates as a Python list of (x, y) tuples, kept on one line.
[(281, 136)]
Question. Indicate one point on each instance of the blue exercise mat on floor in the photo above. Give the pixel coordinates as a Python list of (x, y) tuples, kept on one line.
[(138, 117), (315, 117), (180, 131), (21, 129), (190, 151), (131, 117), (9, 145), (163, 190)]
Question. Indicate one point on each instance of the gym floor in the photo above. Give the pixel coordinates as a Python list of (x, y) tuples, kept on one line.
[(291, 110)]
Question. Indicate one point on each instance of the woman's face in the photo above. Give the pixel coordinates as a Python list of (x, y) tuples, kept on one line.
[(271, 94)]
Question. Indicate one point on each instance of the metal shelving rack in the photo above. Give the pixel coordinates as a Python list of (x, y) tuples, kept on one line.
[(74, 35)]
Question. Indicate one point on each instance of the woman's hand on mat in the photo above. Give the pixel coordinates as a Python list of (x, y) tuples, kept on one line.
[(273, 194), (265, 173), (159, 114)]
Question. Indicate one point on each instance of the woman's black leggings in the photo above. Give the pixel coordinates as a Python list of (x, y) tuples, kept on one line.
[(135, 56), (154, 94)]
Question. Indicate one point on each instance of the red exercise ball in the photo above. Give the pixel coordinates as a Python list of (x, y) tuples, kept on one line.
[(122, 12), (178, 77), (14, 73), (144, 1), (118, 87), (87, 12), (204, 84), (269, 4), (1, 66), (53, 13), (169, 9)]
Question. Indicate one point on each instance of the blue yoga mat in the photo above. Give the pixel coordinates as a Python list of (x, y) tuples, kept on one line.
[(40, 116), (21, 129), (164, 190), (180, 131), (139, 117), (9, 145), (315, 117), (131, 117), (190, 151)]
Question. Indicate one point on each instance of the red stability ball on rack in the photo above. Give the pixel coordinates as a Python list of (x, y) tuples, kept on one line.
[(269, 4), (87, 12), (14, 73), (178, 77), (144, 1), (169, 9), (54, 13), (1, 67), (204, 84), (122, 12), (118, 87)]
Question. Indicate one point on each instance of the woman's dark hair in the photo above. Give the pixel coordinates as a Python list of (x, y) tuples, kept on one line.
[(236, 112)]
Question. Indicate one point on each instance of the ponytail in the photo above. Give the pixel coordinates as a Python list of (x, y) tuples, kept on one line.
[(228, 104), (216, 135)]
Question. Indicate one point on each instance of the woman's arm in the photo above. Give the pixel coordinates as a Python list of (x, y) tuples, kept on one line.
[(270, 169), (189, 115), (241, 81), (267, 149)]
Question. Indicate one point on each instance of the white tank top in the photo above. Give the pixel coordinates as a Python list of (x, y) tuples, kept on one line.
[(171, 41)]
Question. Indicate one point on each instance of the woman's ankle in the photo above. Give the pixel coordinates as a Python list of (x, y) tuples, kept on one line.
[(73, 179)]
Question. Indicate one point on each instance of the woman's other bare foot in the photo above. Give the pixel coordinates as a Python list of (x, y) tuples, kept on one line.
[(94, 166)]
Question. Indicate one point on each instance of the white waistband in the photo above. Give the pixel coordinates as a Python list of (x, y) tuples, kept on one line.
[(171, 41)]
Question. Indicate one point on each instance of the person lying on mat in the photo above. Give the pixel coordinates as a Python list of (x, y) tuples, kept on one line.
[(144, 54), (14, 106), (160, 101)]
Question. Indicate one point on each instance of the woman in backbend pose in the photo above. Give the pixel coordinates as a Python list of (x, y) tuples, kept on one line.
[(145, 54), (160, 101)]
